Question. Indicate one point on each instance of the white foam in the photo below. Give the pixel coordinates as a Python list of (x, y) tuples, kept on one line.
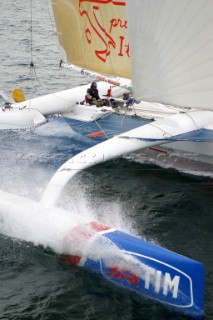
[(27, 220)]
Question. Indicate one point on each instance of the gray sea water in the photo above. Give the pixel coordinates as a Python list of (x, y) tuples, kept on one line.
[(164, 206)]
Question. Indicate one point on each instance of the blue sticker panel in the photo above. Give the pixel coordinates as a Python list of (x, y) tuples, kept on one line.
[(154, 272)]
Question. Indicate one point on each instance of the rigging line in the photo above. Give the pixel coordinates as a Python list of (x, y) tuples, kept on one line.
[(164, 132), (31, 32), (31, 43), (53, 26), (193, 121), (170, 133), (32, 78), (134, 110), (124, 116), (70, 107), (52, 94), (32, 65), (102, 129)]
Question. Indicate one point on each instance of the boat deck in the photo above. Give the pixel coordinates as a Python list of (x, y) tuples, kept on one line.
[(148, 110)]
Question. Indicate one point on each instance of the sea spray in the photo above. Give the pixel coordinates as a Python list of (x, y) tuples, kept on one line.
[(64, 232), (28, 220)]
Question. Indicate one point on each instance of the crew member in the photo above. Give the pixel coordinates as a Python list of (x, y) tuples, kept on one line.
[(92, 94)]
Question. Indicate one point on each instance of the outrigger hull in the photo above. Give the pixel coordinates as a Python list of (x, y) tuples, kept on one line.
[(127, 261), (20, 119), (137, 265), (192, 153)]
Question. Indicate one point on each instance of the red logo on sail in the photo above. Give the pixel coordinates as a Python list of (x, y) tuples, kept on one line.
[(111, 33)]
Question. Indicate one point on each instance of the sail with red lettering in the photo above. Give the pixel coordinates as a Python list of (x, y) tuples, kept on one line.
[(93, 35)]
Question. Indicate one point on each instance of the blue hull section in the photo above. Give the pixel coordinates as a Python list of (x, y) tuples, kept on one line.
[(201, 135), (110, 126), (154, 272)]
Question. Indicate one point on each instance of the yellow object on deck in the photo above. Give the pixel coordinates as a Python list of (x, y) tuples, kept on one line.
[(18, 95)]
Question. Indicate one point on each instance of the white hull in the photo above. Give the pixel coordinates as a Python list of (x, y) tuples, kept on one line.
[(67, 103), (187, 156), (195, 151), (179, 156), (148, 136), (20, 119), (29, 113), (97, 247)]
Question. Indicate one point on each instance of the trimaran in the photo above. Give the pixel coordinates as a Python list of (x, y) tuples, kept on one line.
[(168, 57), (170, 68)]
